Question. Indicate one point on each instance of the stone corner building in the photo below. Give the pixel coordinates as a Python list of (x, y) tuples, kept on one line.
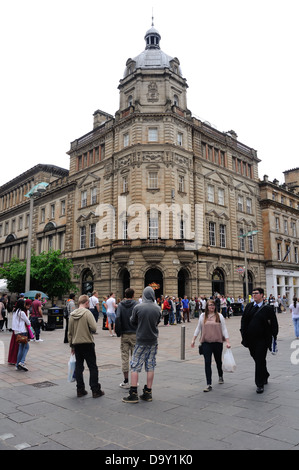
[(160, 197), (153, 196)]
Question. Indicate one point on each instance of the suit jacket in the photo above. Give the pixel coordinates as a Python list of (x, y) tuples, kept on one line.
[(260, 325)]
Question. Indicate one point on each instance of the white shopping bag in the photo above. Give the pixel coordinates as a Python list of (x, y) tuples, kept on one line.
[(71, 368), (229, 364)]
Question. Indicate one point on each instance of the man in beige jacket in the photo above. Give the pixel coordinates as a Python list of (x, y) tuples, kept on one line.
[(82, 325)]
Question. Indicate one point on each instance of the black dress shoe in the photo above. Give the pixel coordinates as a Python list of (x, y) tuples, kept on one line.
[(260, 390)]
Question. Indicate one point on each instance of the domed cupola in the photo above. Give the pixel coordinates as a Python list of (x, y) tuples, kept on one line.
[(152, 57), (152, 38)]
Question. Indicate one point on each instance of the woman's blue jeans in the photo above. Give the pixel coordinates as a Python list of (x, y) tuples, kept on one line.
[(22, 352), (296, 326)]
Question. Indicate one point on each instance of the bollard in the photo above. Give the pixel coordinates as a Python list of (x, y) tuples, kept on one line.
[(183, 333)]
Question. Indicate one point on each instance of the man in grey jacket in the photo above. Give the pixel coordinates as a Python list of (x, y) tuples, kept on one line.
[(126, 331), (146, 317)]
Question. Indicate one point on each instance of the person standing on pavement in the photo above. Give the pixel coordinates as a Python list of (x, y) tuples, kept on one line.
[(94, 305), (104, 312), (146, 317), (111, 307), (19, 322), (258, 326), (185, 303), (36, 316), (212, 330), (70, 306), (294, 308), (126, 331), (82, 325)]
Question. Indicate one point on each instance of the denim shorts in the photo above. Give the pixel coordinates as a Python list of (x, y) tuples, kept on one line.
[(111, 318), (144, 355)]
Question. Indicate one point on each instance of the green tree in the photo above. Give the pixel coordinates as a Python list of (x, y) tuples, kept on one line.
[(14, 273), (49, 273)]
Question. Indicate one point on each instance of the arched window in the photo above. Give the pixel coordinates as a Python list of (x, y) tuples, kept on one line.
[(87, 282), (218, 282)]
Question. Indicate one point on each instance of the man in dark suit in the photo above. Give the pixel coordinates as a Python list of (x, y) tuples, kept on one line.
[(258, 326)]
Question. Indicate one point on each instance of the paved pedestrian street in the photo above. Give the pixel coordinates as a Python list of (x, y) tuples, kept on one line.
[(39, 409)]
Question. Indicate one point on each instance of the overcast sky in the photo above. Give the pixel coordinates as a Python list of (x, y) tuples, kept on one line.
[(63, 59)]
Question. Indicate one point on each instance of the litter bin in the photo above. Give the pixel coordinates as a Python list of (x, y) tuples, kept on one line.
[(236, 308), (55, 318)]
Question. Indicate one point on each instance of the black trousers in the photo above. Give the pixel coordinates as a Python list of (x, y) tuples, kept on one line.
[(215, 349), (258, 352), (86, 352)]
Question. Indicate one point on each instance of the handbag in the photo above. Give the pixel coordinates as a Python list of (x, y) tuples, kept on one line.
[(229, 364), (200, 349), (30, 332), (71, 368), (22, 339)]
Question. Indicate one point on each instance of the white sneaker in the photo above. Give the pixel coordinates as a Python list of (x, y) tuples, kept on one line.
[(39, 340), (124, 385)]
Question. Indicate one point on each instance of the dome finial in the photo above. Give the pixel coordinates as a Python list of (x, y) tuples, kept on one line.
[(152, 17)]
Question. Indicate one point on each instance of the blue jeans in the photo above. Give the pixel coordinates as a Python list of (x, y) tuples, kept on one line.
[(296, 326), (22, 351)]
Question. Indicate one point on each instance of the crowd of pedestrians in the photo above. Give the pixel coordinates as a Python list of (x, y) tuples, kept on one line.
[(136, 323)]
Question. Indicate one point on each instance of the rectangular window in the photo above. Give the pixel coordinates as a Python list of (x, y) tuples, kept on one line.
[(285, 225), (62, 208), (82, 237), (180, 138), (92, 235), (125, 184), (181, 183), (20, 223), (125, 229), (153, 180), (83, 198), (52, 211), (211, 197), (93, 195), (296, 254), (277, 224), (221, 196), (279, 251), (293, 227), (126, 140), (42, 215), (50, 242), (153, 134), (248, 206), (240, 203), (287, 255), (212, 233), (250, 243), (242, 240), (153, 228), (222, 236)]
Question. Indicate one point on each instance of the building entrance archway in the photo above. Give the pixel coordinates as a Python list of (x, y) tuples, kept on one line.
[(218, 282), (154, 278), (87, 282), (183, 278)]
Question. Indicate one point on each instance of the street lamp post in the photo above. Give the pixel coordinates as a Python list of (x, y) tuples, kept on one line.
[(34, 192), (245, 235)]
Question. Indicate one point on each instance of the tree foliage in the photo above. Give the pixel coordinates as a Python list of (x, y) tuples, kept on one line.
[(49, 273)]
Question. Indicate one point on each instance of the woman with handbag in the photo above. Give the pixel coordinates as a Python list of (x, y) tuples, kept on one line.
[(19, 322), (213, 332)]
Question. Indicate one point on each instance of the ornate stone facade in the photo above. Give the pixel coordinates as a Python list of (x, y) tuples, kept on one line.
[(153, 195)]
